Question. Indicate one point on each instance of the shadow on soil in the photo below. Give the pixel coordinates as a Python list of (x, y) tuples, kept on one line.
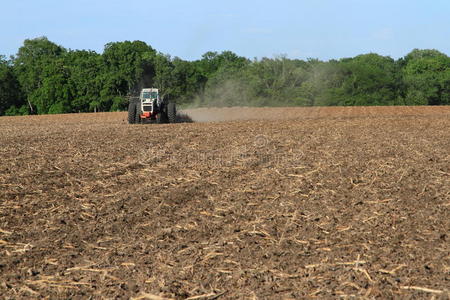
[(184, 118)]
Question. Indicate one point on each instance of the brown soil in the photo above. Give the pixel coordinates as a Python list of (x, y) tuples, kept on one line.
[(275, 203)]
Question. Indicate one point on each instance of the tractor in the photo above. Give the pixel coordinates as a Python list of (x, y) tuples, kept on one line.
[(150, 107)]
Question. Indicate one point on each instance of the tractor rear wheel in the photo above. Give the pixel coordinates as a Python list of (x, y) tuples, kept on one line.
[(171, 112), (161, 118), (132, 107)]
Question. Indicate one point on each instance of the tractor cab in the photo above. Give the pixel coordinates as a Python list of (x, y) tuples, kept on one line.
[(149, 100)]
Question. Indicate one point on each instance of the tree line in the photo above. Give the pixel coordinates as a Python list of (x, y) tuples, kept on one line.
[(44, 78)]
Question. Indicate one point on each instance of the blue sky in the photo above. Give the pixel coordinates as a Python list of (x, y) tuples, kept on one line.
[(323, 29)]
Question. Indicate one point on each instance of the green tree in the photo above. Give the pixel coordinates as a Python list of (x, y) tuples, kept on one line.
[(187, 80), (321, 76), (368, 79), (225, 80), (278, 80), (31, 66), (53, 95), (163, 79), (427, 78), (127, 61), (85, 69), (9, 88), (128, 67), (212, 62)]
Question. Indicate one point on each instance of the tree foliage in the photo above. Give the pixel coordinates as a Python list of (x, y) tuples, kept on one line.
[(427, 78), (9, 88), (47, 78)]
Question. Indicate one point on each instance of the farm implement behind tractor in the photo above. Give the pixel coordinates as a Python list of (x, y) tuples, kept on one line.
[(150, 107)]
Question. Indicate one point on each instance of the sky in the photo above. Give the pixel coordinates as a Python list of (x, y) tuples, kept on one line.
[(323, 29)]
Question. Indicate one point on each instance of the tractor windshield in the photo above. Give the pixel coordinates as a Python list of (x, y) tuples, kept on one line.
[(150, 95)]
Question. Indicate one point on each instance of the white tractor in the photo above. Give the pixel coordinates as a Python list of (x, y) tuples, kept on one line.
[(150, 107)]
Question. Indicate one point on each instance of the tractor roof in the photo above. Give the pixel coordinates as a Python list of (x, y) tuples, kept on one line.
[(150, 90)]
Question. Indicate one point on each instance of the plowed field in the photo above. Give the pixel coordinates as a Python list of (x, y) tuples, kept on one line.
[(269, 203)]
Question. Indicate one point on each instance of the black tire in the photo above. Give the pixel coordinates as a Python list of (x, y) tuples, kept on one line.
[(161, 118), (172, 112), (137, 117), (132, 112)]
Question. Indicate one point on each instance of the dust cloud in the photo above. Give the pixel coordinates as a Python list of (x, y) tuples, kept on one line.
[(223, 114)]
